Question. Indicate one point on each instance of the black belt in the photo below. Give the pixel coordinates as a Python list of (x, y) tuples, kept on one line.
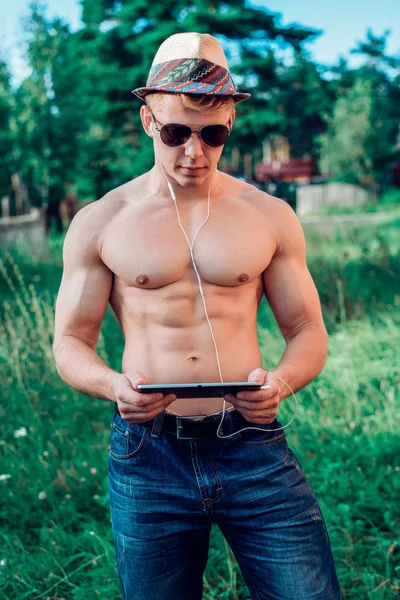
[(184, 428)]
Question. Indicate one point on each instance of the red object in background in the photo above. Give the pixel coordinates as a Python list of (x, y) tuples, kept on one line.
[(396, 174), (297, 169)]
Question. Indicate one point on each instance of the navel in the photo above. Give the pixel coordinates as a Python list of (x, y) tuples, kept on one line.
[(243, 277), (142, 279)]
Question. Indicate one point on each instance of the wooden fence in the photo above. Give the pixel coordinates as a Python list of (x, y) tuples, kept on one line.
[(311, 198), (25, 232)]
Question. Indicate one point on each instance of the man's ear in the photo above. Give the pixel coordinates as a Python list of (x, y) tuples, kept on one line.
[(146, 119)]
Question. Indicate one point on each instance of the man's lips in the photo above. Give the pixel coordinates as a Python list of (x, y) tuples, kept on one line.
[(192, 168)]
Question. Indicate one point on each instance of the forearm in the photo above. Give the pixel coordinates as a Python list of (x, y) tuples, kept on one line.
[(303, 359), (79, 365)]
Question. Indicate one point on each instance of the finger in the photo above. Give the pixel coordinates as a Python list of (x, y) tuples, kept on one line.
[(264, 412), (135, 378), (146, 404), (148, 399), (260, 418), (141, 414), (127, 389), (268, 404), (257, 395), (143, 400), (144, 413), (260, 414)]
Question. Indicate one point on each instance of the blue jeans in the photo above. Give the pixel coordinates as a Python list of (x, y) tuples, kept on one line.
[(165, 494)]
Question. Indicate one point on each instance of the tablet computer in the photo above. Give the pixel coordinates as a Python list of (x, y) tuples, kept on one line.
[(201, 390)]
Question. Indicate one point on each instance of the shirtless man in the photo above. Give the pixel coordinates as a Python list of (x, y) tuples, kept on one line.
[(170, 478)]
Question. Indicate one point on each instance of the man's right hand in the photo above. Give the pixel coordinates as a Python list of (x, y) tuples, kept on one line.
[(135, 406)]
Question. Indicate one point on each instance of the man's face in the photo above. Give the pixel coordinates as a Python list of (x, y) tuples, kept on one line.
[(192, 163)]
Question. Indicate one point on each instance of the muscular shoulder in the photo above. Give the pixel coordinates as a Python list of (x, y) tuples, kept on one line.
[(283, 220), (86, 230), (274, 207), (95, 216)]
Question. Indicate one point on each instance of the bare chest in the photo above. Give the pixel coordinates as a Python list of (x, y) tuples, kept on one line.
[(148, 249)]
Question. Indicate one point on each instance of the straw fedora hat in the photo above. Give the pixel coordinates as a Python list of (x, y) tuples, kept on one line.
[(190, 63)]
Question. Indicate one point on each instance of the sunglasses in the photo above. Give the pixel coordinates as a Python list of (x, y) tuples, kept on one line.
[(174, 134)]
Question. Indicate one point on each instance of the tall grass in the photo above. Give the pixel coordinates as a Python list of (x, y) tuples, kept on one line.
[(56, 539), (389, 201)]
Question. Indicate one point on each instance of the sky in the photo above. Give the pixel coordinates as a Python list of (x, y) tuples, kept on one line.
[(343, 22)]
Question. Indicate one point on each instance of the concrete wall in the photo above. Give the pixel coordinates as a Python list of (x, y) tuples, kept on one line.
[(310, 198), (25, 232)]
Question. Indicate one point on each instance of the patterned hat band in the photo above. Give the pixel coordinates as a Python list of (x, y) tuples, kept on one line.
[(190, 76)]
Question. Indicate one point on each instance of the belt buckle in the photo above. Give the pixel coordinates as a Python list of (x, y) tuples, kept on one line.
[(179, 428)]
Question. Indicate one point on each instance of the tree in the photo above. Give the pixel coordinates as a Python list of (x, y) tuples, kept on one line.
[(344, 154), (114, 52), (81, 123), (39, 147), (302, 99), (7, 138), (362, 129)]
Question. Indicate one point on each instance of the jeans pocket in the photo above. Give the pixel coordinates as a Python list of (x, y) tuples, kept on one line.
[(263, 435), (127, 440)]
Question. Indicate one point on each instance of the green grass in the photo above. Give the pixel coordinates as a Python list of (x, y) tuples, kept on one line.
[(388, 202), (56, 540), (356, 269), (338, 209)]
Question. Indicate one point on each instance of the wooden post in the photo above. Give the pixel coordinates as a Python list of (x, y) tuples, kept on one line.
[(5, 206), (248, 166), (267, 151), (223, 163), (16, 184), (25, 198), (235, 159)]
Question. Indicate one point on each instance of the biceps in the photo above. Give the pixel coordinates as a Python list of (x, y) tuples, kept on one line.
[(292, 295), (82, 302)]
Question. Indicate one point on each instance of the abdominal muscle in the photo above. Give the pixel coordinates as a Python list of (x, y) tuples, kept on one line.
[(168, 337), (161, 355), (155, 294)]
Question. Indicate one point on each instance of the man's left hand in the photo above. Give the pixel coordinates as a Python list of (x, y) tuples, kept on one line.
[(259, 406)]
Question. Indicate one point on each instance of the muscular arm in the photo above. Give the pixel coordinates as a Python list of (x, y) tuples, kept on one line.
[(294, 300), (81, 304)]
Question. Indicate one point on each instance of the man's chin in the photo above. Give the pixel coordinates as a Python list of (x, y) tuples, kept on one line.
[(191, 179)]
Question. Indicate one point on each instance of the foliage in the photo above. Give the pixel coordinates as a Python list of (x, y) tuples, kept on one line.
[(74, 119), (344, 152), (391, 197), (76, 112), (6, 132), (56, 537), (362, 127)]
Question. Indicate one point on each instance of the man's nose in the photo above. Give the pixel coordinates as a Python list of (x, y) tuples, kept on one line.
[(193, 147)]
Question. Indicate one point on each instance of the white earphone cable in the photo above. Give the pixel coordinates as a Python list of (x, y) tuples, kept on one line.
[(204, 303)]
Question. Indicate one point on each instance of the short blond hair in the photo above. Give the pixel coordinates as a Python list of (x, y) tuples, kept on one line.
[(203, 103)]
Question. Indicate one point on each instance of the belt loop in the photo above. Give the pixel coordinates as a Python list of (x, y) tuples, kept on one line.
[(157, 425)]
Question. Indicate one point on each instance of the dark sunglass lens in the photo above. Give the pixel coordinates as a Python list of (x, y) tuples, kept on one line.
[(175, 135), (215, 135)]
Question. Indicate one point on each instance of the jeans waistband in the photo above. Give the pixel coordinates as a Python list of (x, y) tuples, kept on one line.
[(186, 428)]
